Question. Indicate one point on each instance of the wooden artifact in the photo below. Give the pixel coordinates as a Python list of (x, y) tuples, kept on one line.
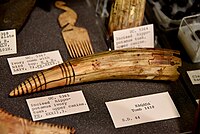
[(126, 14), (134, 63), (76, 38), (10, 124), (77, 41), (67, 17)]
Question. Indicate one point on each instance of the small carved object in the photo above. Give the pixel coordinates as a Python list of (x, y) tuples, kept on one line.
[(126, 14), (10, 124), (134, 63), (76, 38), (67, 17)]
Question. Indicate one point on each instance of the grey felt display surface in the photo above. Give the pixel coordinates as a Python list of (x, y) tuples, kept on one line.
[(42, 34)]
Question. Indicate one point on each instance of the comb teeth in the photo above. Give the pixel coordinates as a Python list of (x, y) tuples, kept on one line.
[(13, 124), (76, 38), (77, 41)]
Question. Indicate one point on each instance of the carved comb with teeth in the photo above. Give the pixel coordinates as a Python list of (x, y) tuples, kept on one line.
[(76, 38), (10, 124)]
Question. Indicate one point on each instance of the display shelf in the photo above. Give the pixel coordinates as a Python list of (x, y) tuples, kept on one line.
[(42, 33), (169, 39)]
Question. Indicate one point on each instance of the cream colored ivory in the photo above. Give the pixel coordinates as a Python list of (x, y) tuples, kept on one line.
[(126, 14), (67, 17), (10, 124), (136, 63)]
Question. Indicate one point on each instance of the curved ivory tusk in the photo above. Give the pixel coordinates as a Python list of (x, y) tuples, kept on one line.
[(126, 14), (136, 63)]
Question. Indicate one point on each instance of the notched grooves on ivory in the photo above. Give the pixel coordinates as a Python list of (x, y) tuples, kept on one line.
[(135, 63)]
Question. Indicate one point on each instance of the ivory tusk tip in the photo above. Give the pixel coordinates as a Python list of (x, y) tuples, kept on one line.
[(12, 93)]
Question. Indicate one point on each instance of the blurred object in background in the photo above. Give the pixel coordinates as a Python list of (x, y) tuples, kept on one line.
[(189, 36), (14, 13), (126, 14), (168, 13), (44, 4), (4, 1)]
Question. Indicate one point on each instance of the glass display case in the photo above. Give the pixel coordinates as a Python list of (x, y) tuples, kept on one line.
[(189, 35), (42, 33)]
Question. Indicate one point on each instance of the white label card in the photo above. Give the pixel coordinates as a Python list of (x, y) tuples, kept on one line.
[(194, 76), (35, 62), (8, 42), (142, 109), (57, 105), (137, 37)]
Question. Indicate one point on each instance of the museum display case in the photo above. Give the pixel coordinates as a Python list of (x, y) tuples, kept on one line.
[(43, 32)]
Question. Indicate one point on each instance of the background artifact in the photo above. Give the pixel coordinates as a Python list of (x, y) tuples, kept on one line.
[(10, 124), (14, 13), (126, 14)]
